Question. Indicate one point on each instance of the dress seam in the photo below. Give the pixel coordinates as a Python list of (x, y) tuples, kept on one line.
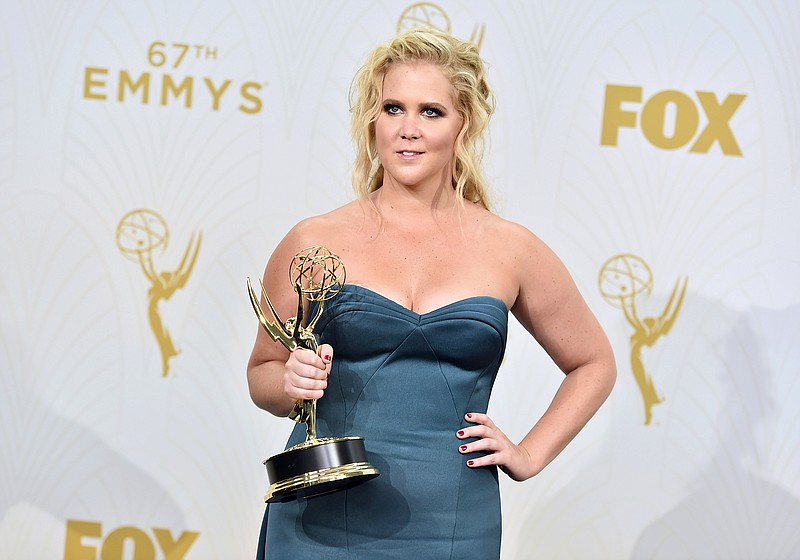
[(458, 511), (346, 529), (378, 368)]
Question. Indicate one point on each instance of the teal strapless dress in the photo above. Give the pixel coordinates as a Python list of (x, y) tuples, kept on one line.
[(404, 382)]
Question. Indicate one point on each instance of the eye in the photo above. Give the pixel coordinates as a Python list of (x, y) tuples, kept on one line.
[(392, 109), (432, 112)]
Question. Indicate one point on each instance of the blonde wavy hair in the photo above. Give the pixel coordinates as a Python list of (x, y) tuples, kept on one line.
[(462, 65)]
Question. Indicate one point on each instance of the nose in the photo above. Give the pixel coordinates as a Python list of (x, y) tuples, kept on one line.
[(409, 128)]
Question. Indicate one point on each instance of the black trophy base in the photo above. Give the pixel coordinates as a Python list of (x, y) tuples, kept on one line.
[(316, 467)]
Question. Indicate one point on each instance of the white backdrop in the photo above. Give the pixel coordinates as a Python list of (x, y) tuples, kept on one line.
[(228, 122)]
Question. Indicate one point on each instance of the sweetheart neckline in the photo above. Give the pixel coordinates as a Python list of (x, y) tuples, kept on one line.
[(467, 299)]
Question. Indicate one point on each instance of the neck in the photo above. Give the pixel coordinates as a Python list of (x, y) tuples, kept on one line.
[(436, 201)]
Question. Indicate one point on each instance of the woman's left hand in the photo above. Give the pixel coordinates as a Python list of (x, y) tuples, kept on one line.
[(512, 459)]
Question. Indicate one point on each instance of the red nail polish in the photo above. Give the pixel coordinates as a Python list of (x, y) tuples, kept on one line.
[(463, 448), (469, 416), (460, 433), (470, 462), (327, 357)]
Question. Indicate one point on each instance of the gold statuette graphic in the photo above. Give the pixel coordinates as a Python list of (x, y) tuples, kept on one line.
[(317, 465), (623, 279), (429, 15), (139, 234)]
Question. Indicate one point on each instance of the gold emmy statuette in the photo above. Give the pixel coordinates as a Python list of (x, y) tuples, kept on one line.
[(429, 15), (317, 465), (623, 279), (140, 233)]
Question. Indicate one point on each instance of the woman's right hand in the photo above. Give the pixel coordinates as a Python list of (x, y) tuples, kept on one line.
[(306, 373)]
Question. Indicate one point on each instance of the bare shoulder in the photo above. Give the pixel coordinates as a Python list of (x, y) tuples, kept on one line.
[(515, 240), (324, 229), (542, 281)]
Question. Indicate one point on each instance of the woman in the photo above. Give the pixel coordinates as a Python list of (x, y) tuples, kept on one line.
[(411, 345)]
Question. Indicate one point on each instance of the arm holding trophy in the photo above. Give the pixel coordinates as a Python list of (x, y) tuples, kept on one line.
[(318, 465), (277, 377)]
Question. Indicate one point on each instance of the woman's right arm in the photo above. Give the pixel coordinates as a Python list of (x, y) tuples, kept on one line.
[(277, 379)]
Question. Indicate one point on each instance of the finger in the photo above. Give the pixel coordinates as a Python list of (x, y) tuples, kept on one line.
[(305, 363), (480, 446), (477, 431), (303, 388), (298, 395), (479, 418), (306, 356), (325, 351), (303, 380), (308, 383), (484, 461)]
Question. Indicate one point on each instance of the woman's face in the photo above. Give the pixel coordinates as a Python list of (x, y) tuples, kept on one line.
[(416, 130)]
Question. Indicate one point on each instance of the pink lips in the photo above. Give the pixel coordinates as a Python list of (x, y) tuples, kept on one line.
[(409, 154)]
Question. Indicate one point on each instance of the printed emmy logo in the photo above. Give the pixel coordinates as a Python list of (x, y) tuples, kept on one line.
[(164, 87), (140, 234), (428, 14), (623, 280)]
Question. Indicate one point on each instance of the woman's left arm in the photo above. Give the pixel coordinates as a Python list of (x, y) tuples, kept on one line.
[(552, 309)]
